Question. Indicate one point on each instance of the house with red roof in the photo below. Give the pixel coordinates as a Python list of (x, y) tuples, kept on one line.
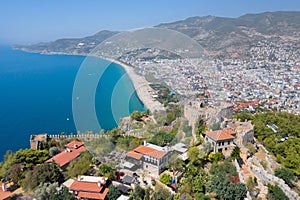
[(4, 194), (149, 157), (72, 151), (221, 140), (89, 187)]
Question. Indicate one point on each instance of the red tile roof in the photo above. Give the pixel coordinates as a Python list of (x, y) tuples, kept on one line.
[(4, 195), (135, 155), (93, 195), (229, 131), (67, 156), (219, 135), (150, 151), (85, 186), (74, 144)]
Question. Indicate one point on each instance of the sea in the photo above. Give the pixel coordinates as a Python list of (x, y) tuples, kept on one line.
[(36, 96)]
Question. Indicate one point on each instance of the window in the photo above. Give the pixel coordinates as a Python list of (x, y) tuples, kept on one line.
[(220, 150), (225, 148), (222, 143), (228, 142)]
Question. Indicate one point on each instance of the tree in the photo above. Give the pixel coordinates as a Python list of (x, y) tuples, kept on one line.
[(240, 191), (162, 138), (165, 178), (226, 190), (200, 181), (235, 152), (8, 161), (193, 154), (15, 173), (176, 164), (215, 127), (138, 193), (30, 157), (136, 115), (207, 148), (50, 143), (243, 116), (127, 143), (275, 193), (201, 196), (44, 173), (80, 165), (107, 171), (170, 118), (53, 151), (216, 157), (226, 167), (51, 191), (113, 193), (161, 193), (201, 127), (45, 190), (147, 193), (8, 155), (115, 134), (287, 125), (287, 175)]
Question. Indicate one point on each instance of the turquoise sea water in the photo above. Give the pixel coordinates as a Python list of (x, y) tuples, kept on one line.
[(36, 96)]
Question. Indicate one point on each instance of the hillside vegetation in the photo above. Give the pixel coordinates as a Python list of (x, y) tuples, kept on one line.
[(280, 134)]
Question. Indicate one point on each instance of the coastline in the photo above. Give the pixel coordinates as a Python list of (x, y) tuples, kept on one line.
[(142, 87)]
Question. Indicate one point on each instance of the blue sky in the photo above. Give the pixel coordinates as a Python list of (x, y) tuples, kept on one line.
[(33, 21)]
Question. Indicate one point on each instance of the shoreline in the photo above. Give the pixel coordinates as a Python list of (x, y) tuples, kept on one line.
[(140, 84), (142, 87)]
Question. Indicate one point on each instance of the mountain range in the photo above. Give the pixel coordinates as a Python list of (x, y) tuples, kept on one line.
[(220, 36)]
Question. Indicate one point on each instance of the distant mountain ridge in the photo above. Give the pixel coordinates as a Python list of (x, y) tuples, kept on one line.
[(220, 36), (69, 45)]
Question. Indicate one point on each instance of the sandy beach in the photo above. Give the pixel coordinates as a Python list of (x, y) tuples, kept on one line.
[(142, 87)]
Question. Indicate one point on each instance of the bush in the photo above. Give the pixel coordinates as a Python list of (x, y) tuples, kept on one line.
[(165, 178), (235, 152), (107, 171), (49, 191), (226, 190), (275, 193), (162, 138), (44, 173), (80, 165), (113, 192), (161, 194), (287, 175), (53, 151), (136, 115), (216, 157), (127, 143)]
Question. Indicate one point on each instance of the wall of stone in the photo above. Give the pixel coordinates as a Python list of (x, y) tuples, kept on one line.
[(241, 177), (267, 178)]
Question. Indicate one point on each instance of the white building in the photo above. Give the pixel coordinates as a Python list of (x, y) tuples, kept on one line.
[(149, 157)]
